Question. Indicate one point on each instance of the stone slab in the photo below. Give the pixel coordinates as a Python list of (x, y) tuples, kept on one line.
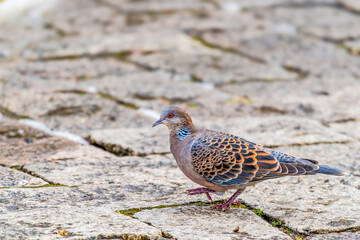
[(21, 144), (336, 236), (14, 178), (278, 131), (75, 113), (351, 128), (308, 204), (132, 141), (213, 66), (73, 223), (191, 222), (114, 44), (124, 182)]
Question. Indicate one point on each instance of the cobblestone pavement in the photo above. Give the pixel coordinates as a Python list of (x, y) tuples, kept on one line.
[(81, 84)]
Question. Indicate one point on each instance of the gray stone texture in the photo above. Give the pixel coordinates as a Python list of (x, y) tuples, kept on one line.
[(192, 222), (81, 83)]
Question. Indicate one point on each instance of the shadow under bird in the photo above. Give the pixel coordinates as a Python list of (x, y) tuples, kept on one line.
[(221, 161)]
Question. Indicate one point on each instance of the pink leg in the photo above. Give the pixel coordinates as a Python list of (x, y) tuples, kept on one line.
[(201, 190), (229, 202)]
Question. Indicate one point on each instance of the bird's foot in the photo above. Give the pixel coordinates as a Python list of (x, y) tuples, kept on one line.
[(223, 207), (226, 205), (229, 202), (201, 190)]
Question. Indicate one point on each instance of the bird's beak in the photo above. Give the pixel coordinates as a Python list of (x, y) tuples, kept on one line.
[(157, 122)]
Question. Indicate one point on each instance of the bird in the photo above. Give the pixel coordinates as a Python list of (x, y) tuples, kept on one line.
[(221, 161)]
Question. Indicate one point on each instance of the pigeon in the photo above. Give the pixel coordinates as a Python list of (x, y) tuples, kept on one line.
[(221, 161)]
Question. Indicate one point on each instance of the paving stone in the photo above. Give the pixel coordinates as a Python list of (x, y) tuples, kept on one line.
[(13, 43), (306, 97), (327, 22), (309, 204), (85, 20), (73, 223), (132, 141), (149, 85), (213, 66), (293, 51), (278, 131), (14, 178), (126, 182), (114, 44), (336, 236), (351, 128), (159, 6), (21, 144), (69, 112), (191, 222), (76, 69)]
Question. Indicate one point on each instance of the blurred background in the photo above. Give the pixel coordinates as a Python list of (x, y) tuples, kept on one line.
[(77, 66)]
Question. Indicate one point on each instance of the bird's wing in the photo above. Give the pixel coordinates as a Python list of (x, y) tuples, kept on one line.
[(289, 165), (226, 159)]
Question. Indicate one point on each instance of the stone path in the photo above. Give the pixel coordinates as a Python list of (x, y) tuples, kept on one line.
[(81, 84)]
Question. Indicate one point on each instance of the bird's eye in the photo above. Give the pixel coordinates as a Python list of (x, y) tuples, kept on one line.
[(170, 115)]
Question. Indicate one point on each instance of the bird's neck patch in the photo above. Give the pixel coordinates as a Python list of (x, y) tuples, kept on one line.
[(183, 133)]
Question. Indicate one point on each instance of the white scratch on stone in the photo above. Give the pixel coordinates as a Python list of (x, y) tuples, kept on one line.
[(28, 12), (231, 7), (41, 126), (92, 89), (148, 112), (207, 85)]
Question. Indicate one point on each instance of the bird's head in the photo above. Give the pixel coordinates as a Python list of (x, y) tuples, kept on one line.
[(174, 118)]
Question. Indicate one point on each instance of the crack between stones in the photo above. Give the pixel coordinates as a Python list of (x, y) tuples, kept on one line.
[(33, 174), (224, 49)]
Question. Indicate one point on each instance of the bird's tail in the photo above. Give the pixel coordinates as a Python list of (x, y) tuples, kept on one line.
[(329, 171)]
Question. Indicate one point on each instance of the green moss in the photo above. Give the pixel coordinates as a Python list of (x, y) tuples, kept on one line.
[(129, 212), (276, 223), (17, 167), (6, 112), (258, 212)]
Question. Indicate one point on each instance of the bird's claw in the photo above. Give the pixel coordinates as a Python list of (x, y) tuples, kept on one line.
[(201, 190)]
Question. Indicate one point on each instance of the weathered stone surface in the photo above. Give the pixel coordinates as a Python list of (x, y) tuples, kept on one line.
[(307, 97), (132, 141), (73, 223), (76, 113), (21, 144), (213, 66), (113, 44), (294, 52), (336, 236), (309, 204), (193, 222), (14, 178), (327, 22), (160, 6), (351, 128), (126, 182), (278, 131)]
